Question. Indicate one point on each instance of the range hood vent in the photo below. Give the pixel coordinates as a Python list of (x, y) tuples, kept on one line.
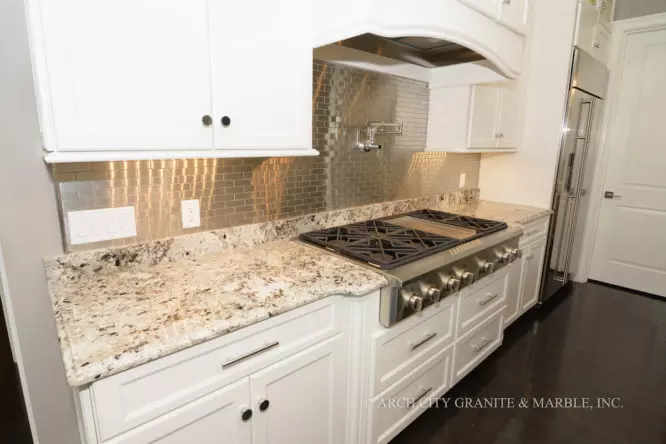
[(422, 51)]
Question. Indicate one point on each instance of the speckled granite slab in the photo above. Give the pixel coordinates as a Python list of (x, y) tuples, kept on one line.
[(110, 320), (510, 213)]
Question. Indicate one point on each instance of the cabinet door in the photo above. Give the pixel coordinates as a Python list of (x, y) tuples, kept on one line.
[(484, 106), (262, 74), (127, 74), (587, 18), (514, 14), (532, 278), (213, 419), (605, 8), (514, 288), (303, 397), (601, 44), (509, 116), (488, 7)]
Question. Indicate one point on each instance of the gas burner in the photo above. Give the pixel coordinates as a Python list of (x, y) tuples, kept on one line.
[(379, 243)]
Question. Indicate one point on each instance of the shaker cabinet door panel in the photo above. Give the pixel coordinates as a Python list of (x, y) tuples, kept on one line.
[(262, 74), (513, 291), (534, 257), (127, 75), (509, 121), (514, 14), (302, 399), (483, 132), (214, 419), (488, 7)]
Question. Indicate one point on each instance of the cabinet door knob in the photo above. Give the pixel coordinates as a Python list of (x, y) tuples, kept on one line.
[(246, 414), (507, 2), (596, 45), (207, 120), (226, 121), (264, 404)]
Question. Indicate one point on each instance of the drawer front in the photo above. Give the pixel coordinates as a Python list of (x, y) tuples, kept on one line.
[(478, 304), (472, 349), (392, 412), (133, 397), (398, 351), (534, 230)]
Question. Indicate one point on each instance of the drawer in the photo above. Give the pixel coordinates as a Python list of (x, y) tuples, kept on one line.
[(472, 349), (477, 304), (398, 350), (391, 412), (534, 230), (133, 397)]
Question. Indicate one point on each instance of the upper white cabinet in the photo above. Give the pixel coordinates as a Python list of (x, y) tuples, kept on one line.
[(514, 14), (489, 7), (483, 117), (593, 28), (118, 81)]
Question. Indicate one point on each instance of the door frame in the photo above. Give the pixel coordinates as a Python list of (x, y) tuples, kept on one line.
[(622, 29)]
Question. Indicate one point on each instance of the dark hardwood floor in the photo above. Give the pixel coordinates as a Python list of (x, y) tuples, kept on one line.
[(591, 341), (14, 427)]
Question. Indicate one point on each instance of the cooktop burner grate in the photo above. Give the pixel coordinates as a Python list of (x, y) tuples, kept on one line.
[(379, 243), (483, 227)]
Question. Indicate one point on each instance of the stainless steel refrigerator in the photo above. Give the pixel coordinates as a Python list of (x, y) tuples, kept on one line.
[(587, 88)]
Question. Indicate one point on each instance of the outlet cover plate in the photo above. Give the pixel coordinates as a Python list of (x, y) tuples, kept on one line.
[(191, 213), (100, 225)]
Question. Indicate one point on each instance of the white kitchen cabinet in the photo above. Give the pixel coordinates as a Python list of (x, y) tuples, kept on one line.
[(601, 45), (534, 257), (514, 290), (488, 7), (117, 76), (213, 419), (606, 10), (514, 14), (475, 118), (116, 81), (586, 21), (302, 399), (265, 94)]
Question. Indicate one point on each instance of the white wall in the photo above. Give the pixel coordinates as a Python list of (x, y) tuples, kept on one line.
[(29, 230), (527, 177), (625, 9)]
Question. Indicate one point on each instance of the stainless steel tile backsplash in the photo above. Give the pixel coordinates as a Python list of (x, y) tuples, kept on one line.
[(241, 191)]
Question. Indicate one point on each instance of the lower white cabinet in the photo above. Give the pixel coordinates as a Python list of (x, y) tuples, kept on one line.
[(534, 256), (513, 291), (302, 399)]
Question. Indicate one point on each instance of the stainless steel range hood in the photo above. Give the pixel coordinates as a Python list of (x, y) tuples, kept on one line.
[(423, 51)]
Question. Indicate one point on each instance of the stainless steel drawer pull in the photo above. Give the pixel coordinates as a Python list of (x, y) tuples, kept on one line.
[(428, 337), (413, 402), (241, 358), (530, 257), (485, 343), (488, 299)]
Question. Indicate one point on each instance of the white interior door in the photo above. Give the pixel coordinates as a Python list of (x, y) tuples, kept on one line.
[(128, 74), (630, 244)]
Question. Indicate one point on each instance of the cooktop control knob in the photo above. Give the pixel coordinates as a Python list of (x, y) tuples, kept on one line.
[(449, 283), (412, 300), (486, 266), (465, 277), (432, 294), (504, 257), (517, 252)]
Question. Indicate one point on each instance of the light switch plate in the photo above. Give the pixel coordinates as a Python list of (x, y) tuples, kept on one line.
[(191, 213), (99, 225)]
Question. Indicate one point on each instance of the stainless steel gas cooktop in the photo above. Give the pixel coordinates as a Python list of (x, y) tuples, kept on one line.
[(426, 254)]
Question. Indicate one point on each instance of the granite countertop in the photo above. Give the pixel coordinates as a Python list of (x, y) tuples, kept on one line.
[(512, 214), (112, 320)]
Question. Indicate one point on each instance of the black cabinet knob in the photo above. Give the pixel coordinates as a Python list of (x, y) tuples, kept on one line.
[(264, 404), (246, 414), (207, 120), (226, 121)]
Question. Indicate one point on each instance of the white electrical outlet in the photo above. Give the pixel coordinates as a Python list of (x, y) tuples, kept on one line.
[(100, 225), (463, 179), (191, 213)]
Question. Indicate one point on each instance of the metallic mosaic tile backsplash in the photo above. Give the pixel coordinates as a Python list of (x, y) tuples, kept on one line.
[(241, 191)]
